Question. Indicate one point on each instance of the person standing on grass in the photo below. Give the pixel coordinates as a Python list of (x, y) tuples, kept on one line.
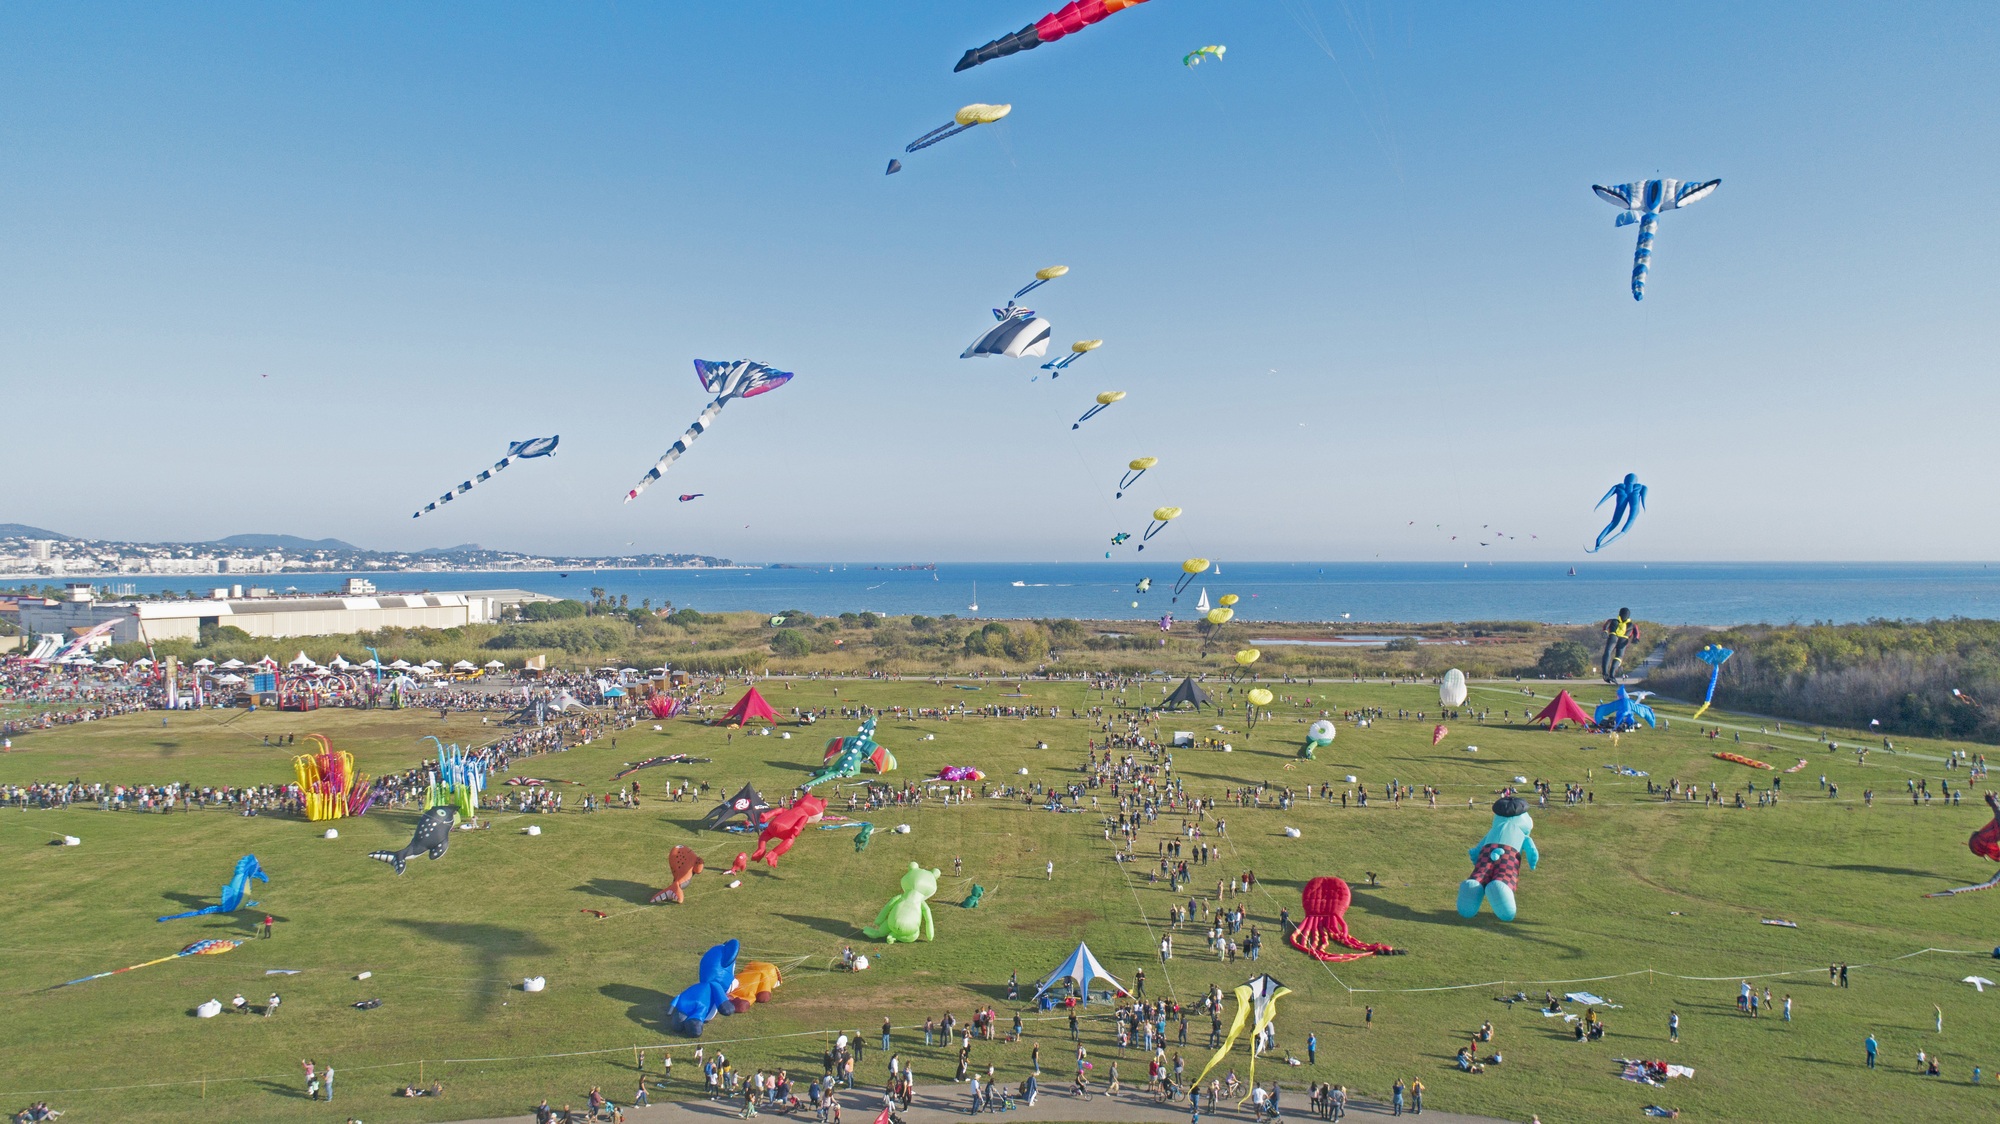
[(1052, 870), (1368, 1018), (1417, 1096), (328, 1085), (1312, 1049), (1673, 1026), (1396, 1098), (1870, 1044), (266, 935), (885, 1035), (1788, 1008)]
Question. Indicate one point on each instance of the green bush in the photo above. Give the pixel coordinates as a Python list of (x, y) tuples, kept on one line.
[(792, 643), (552, 610), (1565, 659)]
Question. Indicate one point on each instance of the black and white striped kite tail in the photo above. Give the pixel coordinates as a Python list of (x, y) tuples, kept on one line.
[(463, 488), (673, 454)]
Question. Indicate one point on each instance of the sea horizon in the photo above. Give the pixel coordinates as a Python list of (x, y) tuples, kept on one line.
[(1336, 593)]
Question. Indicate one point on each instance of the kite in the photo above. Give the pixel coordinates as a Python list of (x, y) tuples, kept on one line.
[(1189, 568), (1259, 997), (1161, 515), (862, 837), (1618, 632), (746, 803), (845, 756), (1451, 689), (1256, 696), (1193, 58), (1439, 732), (894, 167), (908, 914), (1986, 844), (1325, 922), (1166, 622), (329, 784), (232, 894), (978, 113), (1631, 497), (972, 899), (755, 981), (683, 864), (1714, 655), (1319, 735), (691, 1010), (432, 836), (516, 451), (1145, 586), (1077, 350), (782, 828), (1042, 277), (1961, 697), (1103, 400), (1624, 712), (1135, 468), (1741, 760), (1496, 860), (1020, 332), (664, 706), (686, 496), (458, 782), (1247, 656), (1642, 203), (727, 380), (198, 948), (958, 774), (1119, 539), (1067, 20), (669, 759)]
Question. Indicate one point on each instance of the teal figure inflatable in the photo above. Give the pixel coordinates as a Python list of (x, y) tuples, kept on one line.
[(1319, 735), (862, 837), (908, 914), (232, 894), (692, 1009), (1496, 860), (972, 900)]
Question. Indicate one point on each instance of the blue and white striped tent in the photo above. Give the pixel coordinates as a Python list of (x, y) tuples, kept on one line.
[(1082, 967)]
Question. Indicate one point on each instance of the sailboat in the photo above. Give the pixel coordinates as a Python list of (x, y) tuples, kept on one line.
[(1201, 606), (975, 598)]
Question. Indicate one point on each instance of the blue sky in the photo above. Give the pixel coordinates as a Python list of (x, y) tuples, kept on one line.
[(299, 267)]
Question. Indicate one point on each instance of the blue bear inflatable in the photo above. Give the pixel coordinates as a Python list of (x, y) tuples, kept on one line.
[(692, 1009)]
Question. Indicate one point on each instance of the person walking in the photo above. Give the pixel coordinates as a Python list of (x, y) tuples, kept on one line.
[(1870, 1044), (973, 1087), (1673, 1026)]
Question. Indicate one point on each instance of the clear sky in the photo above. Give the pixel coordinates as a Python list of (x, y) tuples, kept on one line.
[(299, 267)]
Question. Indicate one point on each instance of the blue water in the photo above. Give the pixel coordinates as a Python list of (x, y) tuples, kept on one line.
[(1344, 592)]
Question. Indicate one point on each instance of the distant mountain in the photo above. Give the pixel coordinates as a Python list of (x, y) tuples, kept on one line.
[(461, 548), (281, 542), (23, 531)]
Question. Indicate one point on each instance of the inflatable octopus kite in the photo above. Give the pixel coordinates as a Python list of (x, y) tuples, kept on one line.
[(1325, 923)]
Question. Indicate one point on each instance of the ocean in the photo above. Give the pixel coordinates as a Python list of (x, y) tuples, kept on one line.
[(1718, 593)]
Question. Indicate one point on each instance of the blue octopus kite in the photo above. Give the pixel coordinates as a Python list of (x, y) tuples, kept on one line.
[(1631, 499)]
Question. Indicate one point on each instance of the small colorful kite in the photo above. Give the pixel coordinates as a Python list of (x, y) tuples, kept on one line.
[(517, 451), (198, 948), (1066, 20), (1103, 400), (1714, 655), (1077, 350), (686, 496), (978, 113), (1193, 58)]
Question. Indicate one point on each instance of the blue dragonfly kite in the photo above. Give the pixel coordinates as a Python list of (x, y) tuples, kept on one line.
[(1642, 203)]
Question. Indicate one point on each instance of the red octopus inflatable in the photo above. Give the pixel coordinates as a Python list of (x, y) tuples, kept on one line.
[(1325, 923)]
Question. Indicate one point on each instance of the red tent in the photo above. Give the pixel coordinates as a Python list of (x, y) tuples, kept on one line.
[(1562, 709), (752, 705)]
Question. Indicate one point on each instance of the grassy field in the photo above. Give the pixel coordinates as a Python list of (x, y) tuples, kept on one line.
[(1665, 899)]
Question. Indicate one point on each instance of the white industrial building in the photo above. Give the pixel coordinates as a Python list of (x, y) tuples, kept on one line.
[(275, 617)]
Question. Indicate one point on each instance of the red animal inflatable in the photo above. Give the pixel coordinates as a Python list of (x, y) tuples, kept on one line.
[(783, 827), (1325, 922)]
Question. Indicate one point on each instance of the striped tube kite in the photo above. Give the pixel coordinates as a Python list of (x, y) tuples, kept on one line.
[(1642, 204), (1256, 1004), (460, 780), (1066, 20), (726, 379), (1104, 400), (1077, 350), (328, 781), (198, 948), (516, 451), (978, 113)]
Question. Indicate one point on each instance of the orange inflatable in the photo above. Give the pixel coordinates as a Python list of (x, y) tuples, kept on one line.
[(684, 864), (1742, 760), (755, 981)]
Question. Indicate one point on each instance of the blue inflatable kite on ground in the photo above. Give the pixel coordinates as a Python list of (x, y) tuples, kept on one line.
[(1496, 860), (692, 1009), (1714, 655), (232, 894), (1623, 713), (1631, 497)]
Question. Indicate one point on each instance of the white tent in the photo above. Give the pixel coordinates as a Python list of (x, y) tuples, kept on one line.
[(142, 662), (229, 680), (268, 661), (1082, 967), (114, 661), (232, 665), (204, 662), (465, 665), (372, 663), (495, 665), (302, 660), (400, 665), (338, 662), (432, 664)]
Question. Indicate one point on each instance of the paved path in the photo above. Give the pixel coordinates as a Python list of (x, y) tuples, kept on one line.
[(938, 1107)]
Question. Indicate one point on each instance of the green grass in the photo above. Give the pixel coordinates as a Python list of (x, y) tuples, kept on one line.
[(449, 941)]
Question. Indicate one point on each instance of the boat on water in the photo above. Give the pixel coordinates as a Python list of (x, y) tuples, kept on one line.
[(975, 598)]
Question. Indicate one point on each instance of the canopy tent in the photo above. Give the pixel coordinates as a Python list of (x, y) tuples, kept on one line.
[(1189, 692), (142, 662), (302, 660), (338, 662), (1082, 968), (1561, 709), (232, 665), (495, 665), (465, 665), (204, 662), (229, 680), (400, 665), (114, 661), (751, 705), (432, 664)]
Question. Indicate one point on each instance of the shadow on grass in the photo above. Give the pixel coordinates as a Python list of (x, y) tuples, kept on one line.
[(637, 893), (648, 1008), (790, 766), (1864, 868), (831, 926), (1520, 930), (489, 945)]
